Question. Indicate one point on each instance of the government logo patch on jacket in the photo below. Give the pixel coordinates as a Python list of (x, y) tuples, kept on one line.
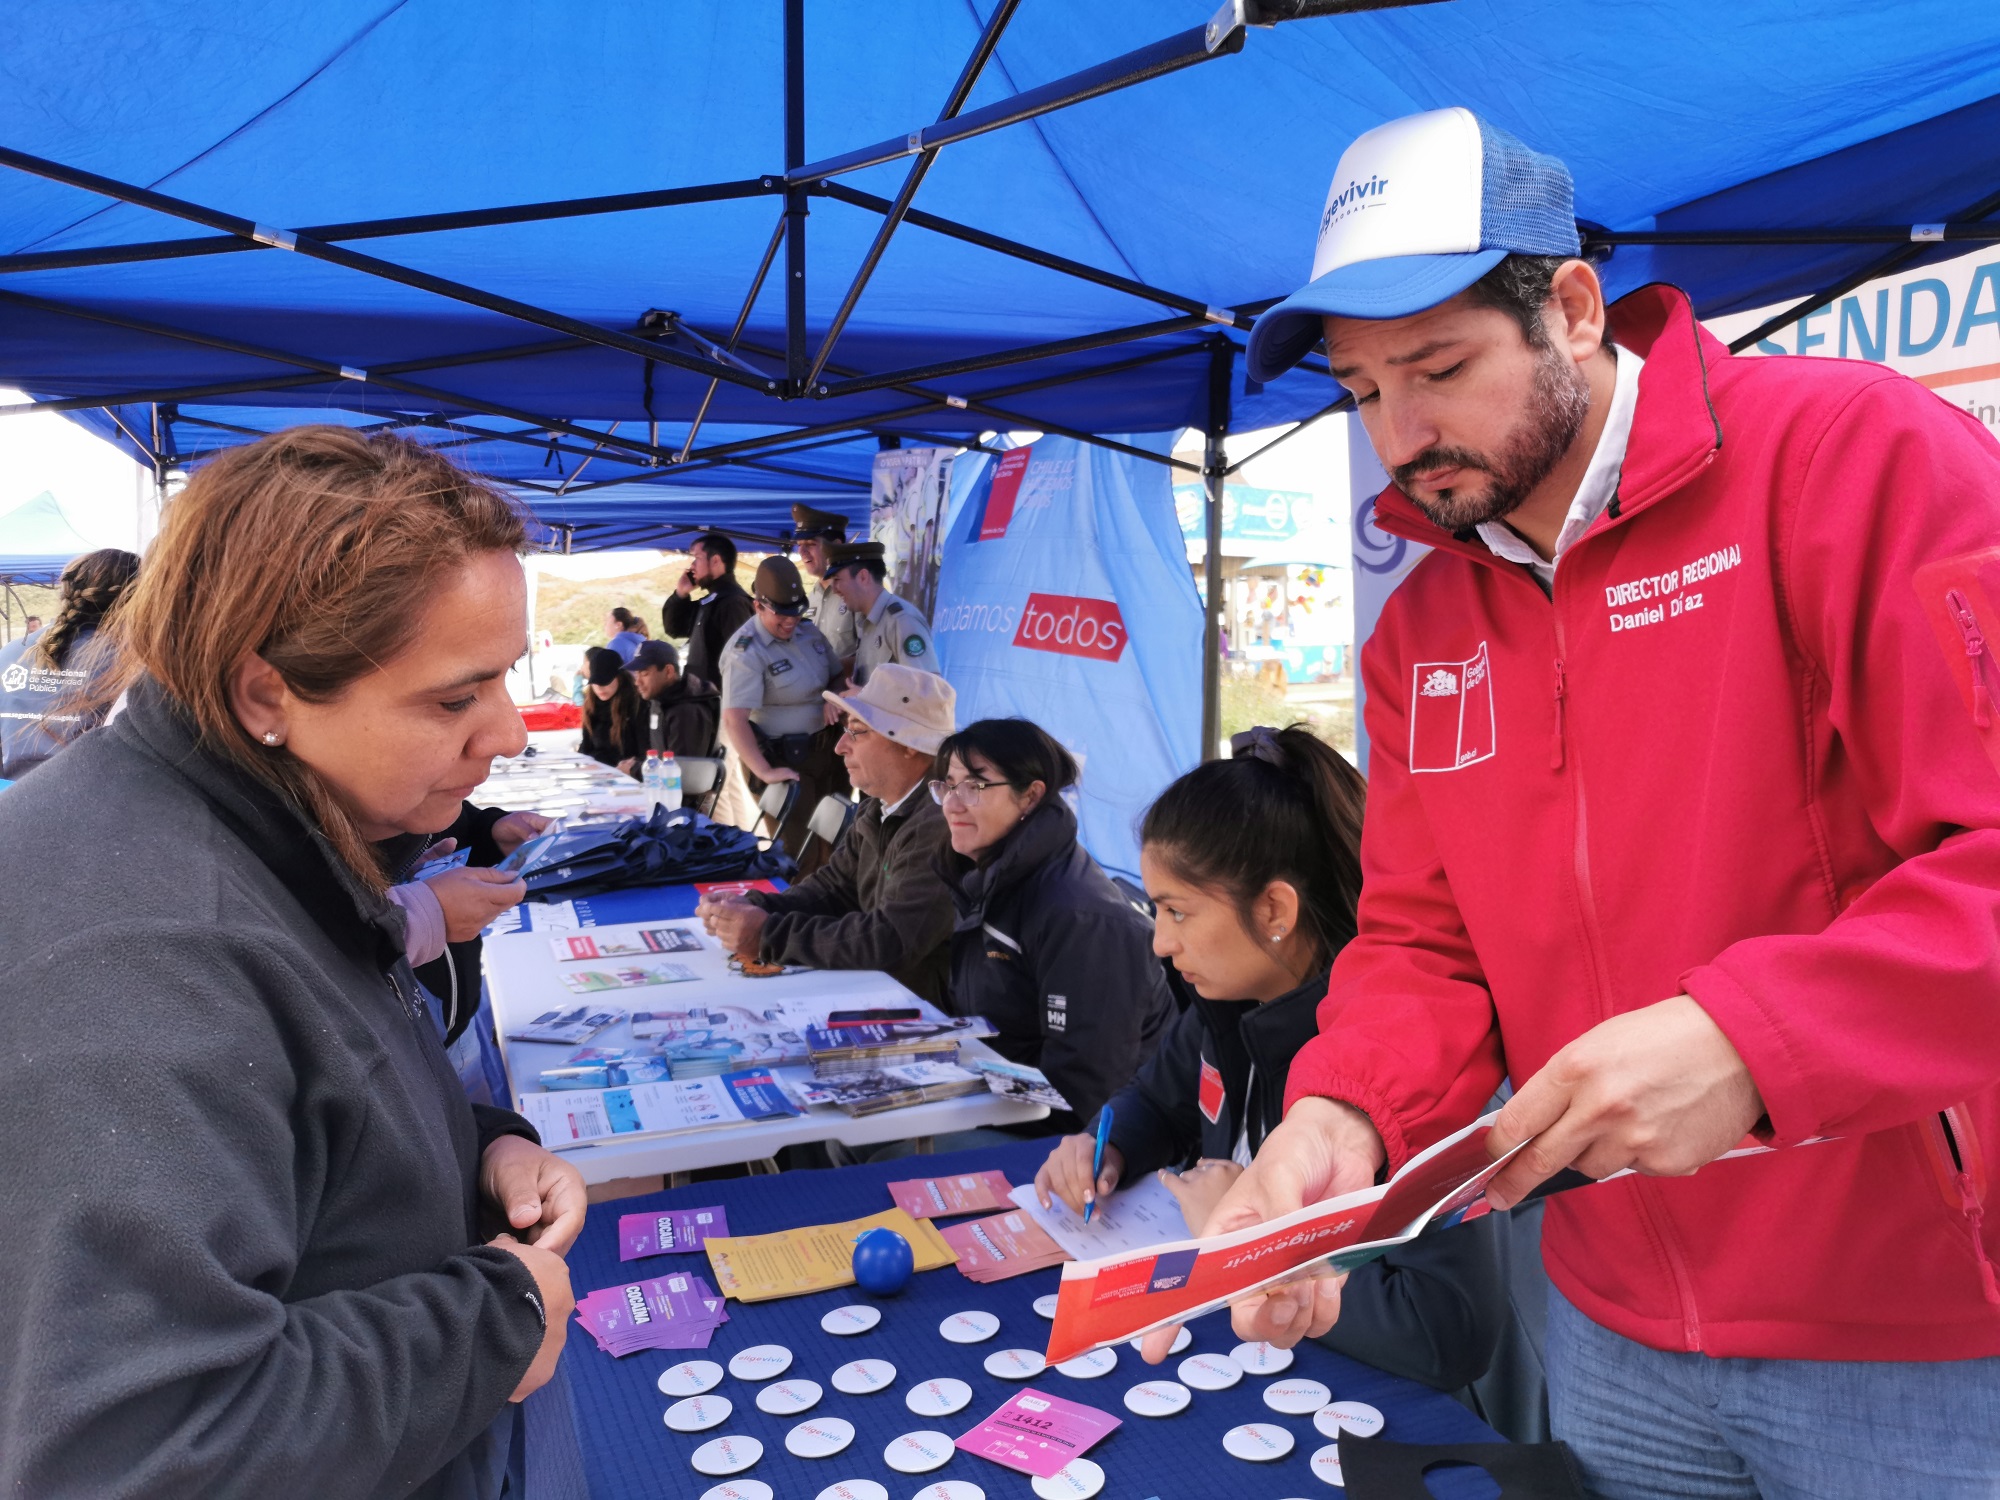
[(1451, 713)]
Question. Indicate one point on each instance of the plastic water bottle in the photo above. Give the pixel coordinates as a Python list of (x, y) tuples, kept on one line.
[(669, 795), (650, 778)]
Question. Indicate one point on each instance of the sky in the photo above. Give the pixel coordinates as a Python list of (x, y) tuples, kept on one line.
[(101, 490)]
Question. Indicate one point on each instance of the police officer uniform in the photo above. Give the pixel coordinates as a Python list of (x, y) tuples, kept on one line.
[(827, 610), (895, 630), (780, 683)]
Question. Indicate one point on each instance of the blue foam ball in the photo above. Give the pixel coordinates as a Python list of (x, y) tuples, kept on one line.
[(883, 1262)]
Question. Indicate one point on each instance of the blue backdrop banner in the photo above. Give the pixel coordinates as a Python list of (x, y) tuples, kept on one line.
[(1065, 597)]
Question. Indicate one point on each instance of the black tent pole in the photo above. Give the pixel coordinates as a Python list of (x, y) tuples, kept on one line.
[(1214, 469), (797, 357)]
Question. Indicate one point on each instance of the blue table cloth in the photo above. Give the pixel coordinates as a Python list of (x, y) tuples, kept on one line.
[(629, 1454)]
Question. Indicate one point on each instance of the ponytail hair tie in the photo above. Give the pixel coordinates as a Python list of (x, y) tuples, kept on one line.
[(1260, 743)]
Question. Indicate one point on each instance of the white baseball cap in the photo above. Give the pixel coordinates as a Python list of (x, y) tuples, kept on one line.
[(1419, 209)]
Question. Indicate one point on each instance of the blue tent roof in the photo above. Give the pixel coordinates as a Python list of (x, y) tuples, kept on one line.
[(1196, 189), (37, 541)]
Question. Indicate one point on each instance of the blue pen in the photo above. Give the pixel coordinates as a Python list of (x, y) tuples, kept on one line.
[(1097, 1158)]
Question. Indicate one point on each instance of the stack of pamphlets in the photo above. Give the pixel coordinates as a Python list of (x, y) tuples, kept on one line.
[(680, 1311), (894, 1087), (1012, 1080), (670, 1231), (578, 1117), (576, 1023), (1007, 1244), (944, 1197), (607, 1068), (701, 1041), (858, 1049)]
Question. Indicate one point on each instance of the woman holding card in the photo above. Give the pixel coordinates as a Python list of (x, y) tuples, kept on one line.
[(1253, 866), (261, 1240)]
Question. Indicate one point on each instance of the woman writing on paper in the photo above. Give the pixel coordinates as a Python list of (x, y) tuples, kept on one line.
[(261, 1242), (1253, 867)]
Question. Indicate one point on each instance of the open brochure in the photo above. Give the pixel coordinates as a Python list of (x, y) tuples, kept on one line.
[(1111, 1299), (582, 1117)]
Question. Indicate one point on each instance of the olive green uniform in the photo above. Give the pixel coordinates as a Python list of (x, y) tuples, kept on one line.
[(894, 631), (780, 683)]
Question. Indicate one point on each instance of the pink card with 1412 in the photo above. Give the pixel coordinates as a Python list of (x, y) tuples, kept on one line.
[(1037, 1433)]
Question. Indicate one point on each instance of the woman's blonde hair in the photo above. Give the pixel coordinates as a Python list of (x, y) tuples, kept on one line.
[(315, 548)]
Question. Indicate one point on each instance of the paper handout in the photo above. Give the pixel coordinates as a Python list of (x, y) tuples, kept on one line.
[(1038, 1433), (1007, 1244), (1136, 1217), (1109, 1300), (944, 1197), (758, 1267), (577, 1117)]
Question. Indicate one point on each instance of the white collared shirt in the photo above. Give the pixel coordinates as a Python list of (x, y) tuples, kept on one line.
[(1600, 479), (923, 784)]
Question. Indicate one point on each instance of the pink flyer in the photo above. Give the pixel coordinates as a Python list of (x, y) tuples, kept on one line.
[(1037, 1433)]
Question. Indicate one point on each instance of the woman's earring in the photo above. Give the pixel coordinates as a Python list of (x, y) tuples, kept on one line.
[(1278, 934), (271, 737)]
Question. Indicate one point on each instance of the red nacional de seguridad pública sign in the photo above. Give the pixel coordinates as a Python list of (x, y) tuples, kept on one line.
[(1071, 626)]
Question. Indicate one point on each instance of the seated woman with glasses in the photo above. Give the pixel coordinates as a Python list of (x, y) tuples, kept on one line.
[(1043, 945)]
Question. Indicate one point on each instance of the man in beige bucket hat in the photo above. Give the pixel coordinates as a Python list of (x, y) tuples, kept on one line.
[(875, 904)]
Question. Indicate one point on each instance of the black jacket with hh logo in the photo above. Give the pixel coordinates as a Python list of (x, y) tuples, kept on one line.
[(1046, 949)]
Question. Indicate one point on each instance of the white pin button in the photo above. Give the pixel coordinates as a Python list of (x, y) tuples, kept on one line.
[(787, 1398), (918, 1452), (950, 1489), (690, 1378), (738, 1489), (1181, 1340), (1262, 1359), (938, 1398), (1157, 1398), (969, 1327), (863, 1376), (1257, 1442), (760, 1362), (1294, 1396), (856, 1317), (819, 1437), (1015, 1364), (698, 1413), (1090, 1366), (1210, 1372), (1326, 1465), (1078, 1479), (1357, 1417), (727, 1455), (854, 1489), (1046, 1306)]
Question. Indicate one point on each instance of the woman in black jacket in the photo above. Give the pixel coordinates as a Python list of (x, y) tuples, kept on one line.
[(1253, 865), (613, 725), (1043, 945), (262, 1245)]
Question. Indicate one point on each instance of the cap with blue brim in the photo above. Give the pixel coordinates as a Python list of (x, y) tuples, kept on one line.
[(1420, 209)]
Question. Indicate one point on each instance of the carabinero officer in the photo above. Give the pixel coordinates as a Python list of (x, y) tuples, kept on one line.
[(816, 532), (774, 671), (890, 629)]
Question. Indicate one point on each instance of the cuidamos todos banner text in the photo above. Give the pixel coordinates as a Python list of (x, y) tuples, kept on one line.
[(1065, 598)]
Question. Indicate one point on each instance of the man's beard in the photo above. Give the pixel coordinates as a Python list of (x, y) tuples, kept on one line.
[(1557, 404)]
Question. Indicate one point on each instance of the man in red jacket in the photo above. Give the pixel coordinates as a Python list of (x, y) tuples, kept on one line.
[(1684, 815)]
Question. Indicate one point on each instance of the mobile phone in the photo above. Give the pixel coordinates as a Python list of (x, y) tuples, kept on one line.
[(873, 1017)]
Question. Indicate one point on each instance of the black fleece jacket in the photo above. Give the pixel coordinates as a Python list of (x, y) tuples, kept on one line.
[(241, 1199), (1046, 949), (1433, 1310)]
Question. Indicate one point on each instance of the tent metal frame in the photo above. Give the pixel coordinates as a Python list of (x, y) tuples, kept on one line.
[(797, 372)]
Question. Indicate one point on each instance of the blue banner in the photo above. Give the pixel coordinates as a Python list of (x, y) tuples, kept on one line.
[(1065, 598)]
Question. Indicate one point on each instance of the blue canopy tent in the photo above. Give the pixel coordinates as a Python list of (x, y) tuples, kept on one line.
[(919, 219)]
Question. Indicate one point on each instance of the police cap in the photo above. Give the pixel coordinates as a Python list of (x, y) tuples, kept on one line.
[(807, 522), (778, 586), (847, 554)]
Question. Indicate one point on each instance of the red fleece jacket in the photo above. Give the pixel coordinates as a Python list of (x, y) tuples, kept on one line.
[(1739, 755)]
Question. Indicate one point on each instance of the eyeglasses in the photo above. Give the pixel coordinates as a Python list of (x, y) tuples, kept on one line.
[(968, 792)]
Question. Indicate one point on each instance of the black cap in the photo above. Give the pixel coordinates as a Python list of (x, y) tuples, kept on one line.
[(656, 654), (849, 553), (779, 586), (807, 522), (602, 666)]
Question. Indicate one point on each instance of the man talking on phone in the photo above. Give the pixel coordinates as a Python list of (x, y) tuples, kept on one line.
[(1683, 815)]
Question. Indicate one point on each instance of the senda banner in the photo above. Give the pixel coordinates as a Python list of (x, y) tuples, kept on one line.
[(1065, 598), (1939, 324)]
